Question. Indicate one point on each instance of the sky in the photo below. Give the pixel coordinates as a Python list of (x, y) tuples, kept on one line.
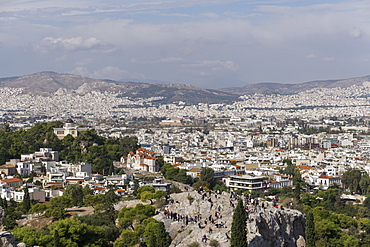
[(206, 43)]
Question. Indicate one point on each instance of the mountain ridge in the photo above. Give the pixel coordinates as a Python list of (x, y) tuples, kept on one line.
[(282, 88), (48, 83)]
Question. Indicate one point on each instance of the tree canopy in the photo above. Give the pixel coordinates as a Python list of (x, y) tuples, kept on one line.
[(88, 146)]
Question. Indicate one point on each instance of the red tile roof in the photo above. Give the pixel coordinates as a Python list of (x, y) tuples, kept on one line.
[(11, 180)]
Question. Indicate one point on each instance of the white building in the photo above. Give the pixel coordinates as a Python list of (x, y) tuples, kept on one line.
[(143, 160), (69, 128)]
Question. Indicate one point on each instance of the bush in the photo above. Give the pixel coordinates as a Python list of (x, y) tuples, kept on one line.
[(194, 244), (214, 243), (175, 189), (191, 199)]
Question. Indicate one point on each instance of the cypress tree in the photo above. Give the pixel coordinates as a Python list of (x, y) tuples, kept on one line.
[(26, 200), (238, 227), (310, 230)]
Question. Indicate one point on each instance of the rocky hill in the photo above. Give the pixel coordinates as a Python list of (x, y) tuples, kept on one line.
[(266, 227), (280, 88)]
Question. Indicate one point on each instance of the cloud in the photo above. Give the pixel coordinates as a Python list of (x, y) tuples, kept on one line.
[(328, 59), (166, 60), (355, 33), (215, 65), (115, 73), (176, 14), (80, 71), (209, 67), (108, 72), (84, 62), (311, 56), (210, 15), (71, 44)]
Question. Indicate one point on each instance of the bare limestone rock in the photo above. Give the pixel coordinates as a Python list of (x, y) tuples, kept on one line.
[(301, 242), (275, 227), (7, 240), (266, 227)]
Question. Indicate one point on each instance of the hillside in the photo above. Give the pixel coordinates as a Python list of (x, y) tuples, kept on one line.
[(49, 83), (52, 83), (280, 88)]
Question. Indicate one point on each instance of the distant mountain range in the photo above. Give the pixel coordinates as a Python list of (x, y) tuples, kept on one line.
[(280, 88), (52, 83)]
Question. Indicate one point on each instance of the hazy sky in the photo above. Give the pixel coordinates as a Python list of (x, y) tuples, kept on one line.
[(207, 43)]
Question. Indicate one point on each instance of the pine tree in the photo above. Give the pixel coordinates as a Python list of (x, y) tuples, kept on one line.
[(238, 227), (310, 230), (163, 239)]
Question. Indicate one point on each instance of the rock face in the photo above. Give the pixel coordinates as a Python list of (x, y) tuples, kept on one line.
[(7, 240), (266, 227), (275, 227)]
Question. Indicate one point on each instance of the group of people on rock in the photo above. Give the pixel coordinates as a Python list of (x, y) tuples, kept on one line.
[(252, 205)]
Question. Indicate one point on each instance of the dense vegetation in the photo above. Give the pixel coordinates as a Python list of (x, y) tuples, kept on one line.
[(331, 221), (89, 146), (137, 226)]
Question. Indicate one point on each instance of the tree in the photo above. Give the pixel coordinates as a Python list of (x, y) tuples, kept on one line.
[(109, 227), (310, 230), (106, 209), (129, 216), (26, 200), (164, 169), (38, 208), (351, 180), (71, 232), (238, 227), (76, 193), (207, 174), (57, 207), (129, 238), (146, 195), (155, 235), (31, 236), (145, 188), (365, 184)]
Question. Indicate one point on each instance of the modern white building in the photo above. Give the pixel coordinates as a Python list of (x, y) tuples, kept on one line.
[(246, 182)]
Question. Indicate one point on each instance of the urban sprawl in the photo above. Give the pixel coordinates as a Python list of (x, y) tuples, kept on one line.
[(324, 132)]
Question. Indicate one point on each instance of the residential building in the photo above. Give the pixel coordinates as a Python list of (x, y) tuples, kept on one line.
[(246, 182)]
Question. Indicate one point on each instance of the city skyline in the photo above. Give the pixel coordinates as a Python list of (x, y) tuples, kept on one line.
[(209, 44)]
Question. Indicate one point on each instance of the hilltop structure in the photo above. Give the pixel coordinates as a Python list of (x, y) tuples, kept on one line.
[(69, 128)]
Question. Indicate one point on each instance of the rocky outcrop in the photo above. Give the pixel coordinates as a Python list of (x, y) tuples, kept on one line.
[(7, 240), (275, 227), (266, 227)]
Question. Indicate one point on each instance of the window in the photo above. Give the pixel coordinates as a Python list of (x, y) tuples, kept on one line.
[(60, 132)]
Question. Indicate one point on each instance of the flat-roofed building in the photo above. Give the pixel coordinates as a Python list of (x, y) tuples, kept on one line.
[(246, 182)]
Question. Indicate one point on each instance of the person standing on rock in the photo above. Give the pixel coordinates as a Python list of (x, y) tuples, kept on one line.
[(204, 239)]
